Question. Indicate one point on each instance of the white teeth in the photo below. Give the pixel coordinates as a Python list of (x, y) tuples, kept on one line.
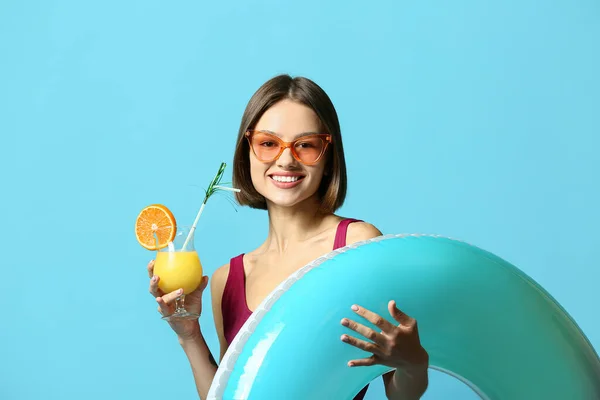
[(285, 178)]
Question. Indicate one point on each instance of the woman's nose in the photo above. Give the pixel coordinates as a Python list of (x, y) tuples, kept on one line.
[(286, 158)]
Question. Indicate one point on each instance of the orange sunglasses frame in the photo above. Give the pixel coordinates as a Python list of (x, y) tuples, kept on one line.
[(284, 145)]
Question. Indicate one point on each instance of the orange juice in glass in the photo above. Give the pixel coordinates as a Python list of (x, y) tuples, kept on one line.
[(178, 266)]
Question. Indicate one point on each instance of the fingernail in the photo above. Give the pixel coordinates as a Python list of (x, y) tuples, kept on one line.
[(351, 364), (180, 291), (344, 338), (345, 322), (153, 278), (354, 307)]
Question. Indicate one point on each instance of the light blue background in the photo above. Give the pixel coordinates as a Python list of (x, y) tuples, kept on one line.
[(472, 119)]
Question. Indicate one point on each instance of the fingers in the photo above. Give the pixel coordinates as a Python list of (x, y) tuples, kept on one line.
[(375, 319), (364, 362), (361, 344), (150, 268), (154, 289), (172, 296), (399, 315), (387, 346), (164, 308), (166, 302), (203, 283), (364, 331)]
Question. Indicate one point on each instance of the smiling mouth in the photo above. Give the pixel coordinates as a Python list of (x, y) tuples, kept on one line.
[(286, 179)]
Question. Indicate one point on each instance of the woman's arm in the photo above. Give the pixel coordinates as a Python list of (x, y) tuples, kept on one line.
[(202, 362), (408, 383), (401, 385)]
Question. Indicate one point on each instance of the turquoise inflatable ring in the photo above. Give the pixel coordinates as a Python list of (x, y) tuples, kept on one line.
[(481, 319)]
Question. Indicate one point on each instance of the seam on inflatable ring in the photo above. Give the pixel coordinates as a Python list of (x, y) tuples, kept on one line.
[(231, 355)]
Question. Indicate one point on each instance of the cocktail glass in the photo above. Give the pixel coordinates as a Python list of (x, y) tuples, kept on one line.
[(178, 267)]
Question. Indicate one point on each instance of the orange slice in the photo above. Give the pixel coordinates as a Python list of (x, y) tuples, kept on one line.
[(155, 219)]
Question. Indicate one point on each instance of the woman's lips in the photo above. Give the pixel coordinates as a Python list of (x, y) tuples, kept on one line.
[(286, 181)]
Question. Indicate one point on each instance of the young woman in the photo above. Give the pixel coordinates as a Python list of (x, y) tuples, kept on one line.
[(289, 161)]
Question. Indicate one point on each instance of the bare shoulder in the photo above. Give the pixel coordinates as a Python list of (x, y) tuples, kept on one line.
[(358, 231), (217, 286), (219, 278)]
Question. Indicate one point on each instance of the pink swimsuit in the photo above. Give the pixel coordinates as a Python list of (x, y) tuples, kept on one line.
[(233, 304)]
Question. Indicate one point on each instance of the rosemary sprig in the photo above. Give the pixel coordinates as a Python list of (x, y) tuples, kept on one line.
[(215, 182), (213, 187)]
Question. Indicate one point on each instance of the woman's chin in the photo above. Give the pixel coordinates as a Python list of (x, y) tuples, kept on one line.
[(287, 201)]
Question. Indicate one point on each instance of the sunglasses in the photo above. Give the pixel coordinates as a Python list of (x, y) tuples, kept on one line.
[(306, 149)]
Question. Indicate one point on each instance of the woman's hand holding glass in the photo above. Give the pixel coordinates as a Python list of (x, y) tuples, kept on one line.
[(184, 328)]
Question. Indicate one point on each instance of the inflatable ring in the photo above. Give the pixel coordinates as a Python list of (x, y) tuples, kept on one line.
[(480, 318)]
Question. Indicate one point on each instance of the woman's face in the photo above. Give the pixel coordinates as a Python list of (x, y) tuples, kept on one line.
[(286, 181)]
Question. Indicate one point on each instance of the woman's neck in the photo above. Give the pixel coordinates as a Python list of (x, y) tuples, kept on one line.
[(292, 225)]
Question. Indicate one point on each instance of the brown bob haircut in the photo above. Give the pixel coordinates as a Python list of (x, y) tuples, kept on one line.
[(332, 191)]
